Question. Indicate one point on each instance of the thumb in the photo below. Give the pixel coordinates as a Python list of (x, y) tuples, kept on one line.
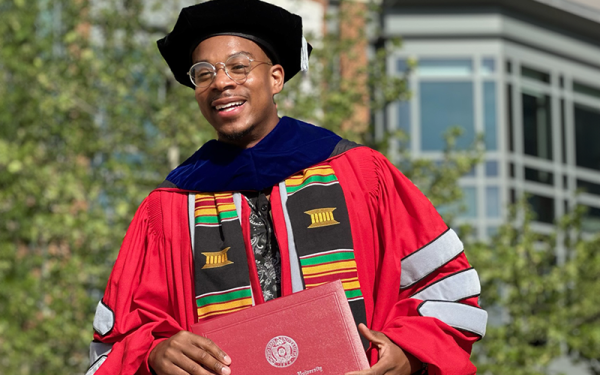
[(373, 336)]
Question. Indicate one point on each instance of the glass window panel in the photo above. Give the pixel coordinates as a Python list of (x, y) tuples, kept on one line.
[(470, 173), (491, 168), (492, 201), (591, 220), (563, 131), (443, 105), (444, 67), (489, 103), (509, 108), (401, 66), (537, 125), (470, 202), (492, 231), (404, 117), (543, 207), (542, 177), (588, 187), (586, 90), (488, 66), (587, 134), (535, 74)]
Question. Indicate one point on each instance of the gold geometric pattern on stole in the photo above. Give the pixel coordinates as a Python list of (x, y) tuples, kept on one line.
[(217, 259), (322, 217)]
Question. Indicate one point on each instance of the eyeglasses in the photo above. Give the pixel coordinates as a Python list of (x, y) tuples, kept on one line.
[(236, 67)]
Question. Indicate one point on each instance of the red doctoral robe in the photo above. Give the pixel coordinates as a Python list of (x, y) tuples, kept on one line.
[(418, 286)]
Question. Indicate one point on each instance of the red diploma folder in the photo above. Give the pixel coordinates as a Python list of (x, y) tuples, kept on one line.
[(307, 333)]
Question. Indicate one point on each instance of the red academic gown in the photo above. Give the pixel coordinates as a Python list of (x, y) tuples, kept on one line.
[(150, 293)]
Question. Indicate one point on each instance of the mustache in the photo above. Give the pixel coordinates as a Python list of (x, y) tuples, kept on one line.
[(223, 95)]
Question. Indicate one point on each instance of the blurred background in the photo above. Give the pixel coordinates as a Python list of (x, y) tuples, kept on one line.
[(491, 107)]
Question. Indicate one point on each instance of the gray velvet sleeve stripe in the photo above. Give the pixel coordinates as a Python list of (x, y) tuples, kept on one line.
[(104, 320), (192, 220), (92, 370), (427, 259), (166, 184), (455, 287), (343, 146), (457, 315), (97, 350)]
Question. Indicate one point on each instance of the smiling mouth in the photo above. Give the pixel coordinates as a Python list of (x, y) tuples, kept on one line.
[(229, 106)]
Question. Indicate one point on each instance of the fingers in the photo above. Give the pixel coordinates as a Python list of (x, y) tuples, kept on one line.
[(209, 355), (207, 346), (188, 354)]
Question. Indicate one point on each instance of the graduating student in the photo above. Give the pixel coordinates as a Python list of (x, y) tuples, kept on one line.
[(274, 206)]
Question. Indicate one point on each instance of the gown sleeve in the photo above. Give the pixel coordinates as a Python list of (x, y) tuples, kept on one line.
[(148, 295), (424, 292)]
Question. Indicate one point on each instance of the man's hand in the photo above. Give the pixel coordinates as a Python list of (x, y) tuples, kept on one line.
[(392, 359), (188, 354)]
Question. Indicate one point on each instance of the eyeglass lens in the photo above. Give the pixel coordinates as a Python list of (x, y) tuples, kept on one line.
[(236, 67)]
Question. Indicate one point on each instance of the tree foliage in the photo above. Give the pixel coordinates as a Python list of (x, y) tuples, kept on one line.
[(542, 295), (88, 121)]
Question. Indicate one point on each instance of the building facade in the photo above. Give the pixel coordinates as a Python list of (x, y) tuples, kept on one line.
[(523, 74)]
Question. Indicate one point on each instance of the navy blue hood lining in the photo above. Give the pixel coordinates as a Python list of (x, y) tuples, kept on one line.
[(290, 147)]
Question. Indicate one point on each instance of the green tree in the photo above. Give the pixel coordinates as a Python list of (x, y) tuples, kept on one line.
[(89, 124), (542, 293)]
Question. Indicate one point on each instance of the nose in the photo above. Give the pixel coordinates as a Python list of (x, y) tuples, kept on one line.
[(222, 80)]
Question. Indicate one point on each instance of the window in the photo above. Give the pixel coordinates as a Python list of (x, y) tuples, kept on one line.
[(491, 168), (489, 110), (404, 116), (586, 90), (537, 130), (509, 109), (563, 131), (488, 66), (492, 201), (470, 202), (535, 74), (543, 207), (542, 177), (443, 105), (444, 67), (591, 220), (588, 187), (587, 135)]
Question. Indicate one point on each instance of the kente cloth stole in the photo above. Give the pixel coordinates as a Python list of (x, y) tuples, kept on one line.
[(319, 243)]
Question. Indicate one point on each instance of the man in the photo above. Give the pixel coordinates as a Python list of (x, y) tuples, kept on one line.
[(270, 208)]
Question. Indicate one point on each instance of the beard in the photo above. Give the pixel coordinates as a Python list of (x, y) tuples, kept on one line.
[(236, 136)]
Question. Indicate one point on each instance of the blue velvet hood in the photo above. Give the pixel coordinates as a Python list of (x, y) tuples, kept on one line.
[(290, 147)]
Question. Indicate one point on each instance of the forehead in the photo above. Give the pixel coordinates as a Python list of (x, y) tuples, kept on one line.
[(219, 48)]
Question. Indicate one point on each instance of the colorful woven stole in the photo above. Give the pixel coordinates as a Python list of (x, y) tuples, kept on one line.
[(317, 220), (222, 280), (322, 234)]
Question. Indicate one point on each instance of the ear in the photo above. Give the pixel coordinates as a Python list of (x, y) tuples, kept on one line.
[(277, 78)]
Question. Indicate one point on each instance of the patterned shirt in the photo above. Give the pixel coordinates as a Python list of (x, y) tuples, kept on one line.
[(264, 245)]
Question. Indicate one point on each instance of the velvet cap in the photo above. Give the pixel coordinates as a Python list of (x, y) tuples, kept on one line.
[(277, 31)]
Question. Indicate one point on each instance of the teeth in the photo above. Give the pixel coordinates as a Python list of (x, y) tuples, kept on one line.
[(228, 105)]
